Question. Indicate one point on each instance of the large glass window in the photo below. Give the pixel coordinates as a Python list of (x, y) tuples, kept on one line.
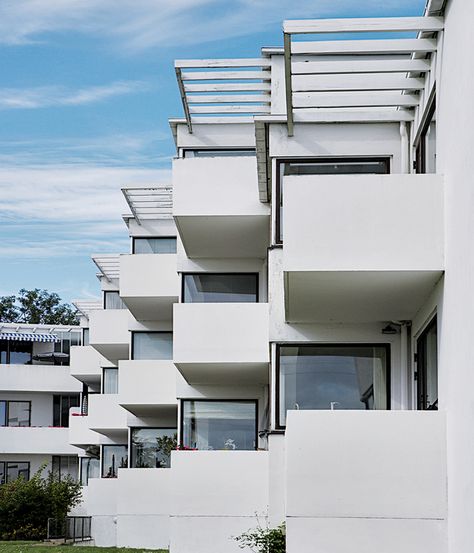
[(219, 424), (90, 468), (61, 406), (112, 300), (332, 377), (220, 288), (152, 447), (110, 380), (11, 470), (65, 466), (427, 367), (152, 345), (323, 166), (114, 457), (160, 244), (15, 413), (16, 352)]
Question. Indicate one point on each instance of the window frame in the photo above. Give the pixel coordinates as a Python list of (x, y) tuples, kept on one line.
[(81, 458), (53, 457), (61, 396), (132, 345), (102, 459), (420, 144), (102, 381), (232, 273), (214, 400), (7, 413), (132, 428), (5, 469), (279, 345), (387, 160), (9, 352), (104, 294), (237, 150), (420, 373), (152, 238)]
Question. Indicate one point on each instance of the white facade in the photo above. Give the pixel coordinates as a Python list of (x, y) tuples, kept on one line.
[(292, 319), (36, 393)]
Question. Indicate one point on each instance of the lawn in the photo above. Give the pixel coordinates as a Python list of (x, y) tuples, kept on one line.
[(35, 547)]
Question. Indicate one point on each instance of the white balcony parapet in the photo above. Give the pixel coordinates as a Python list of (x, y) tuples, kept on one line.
[(109, 333), (361, 76), (106, 416), (150, 202), (80, 435), (38, 378), (37, 439), (224, 88), (86, 363)]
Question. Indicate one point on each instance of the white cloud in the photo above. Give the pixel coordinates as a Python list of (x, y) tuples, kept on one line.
[(141, 24), (47, 96)]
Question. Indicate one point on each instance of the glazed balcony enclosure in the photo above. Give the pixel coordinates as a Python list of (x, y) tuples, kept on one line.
[(360, 248), (109, 333), (148, 387), (217, 209), (149, 285), (221, 343)]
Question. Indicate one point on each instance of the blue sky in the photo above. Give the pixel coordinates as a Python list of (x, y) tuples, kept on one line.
[(86, 90)]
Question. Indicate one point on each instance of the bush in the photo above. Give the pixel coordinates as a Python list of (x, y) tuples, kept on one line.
[(264, 540), (26, 505)]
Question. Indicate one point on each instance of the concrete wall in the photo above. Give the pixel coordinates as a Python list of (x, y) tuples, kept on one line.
[(369, 481), (40, 378)]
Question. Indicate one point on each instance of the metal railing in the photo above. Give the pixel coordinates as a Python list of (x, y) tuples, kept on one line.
[(70, 529)]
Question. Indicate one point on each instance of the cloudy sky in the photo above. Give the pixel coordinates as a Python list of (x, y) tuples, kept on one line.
[(86, 90)]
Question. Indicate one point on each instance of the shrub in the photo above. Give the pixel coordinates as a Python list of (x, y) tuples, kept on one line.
[(264, 540), (26, 505)]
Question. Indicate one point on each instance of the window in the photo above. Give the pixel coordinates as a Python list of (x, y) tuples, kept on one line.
[(61, 406), (332, 377), (90, 468), (427, 368), (323, 166), (425, 153), (112, 300), (15, 413), (152, 447), (160, 244), (16, 352), (152, 345), (220, 288), (219, 153), (11, 470), (65, 466), (218, 425), (85, 336), (66, 340), (110, 380), (114, 457)]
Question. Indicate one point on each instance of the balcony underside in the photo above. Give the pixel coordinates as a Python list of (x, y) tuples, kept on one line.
[(224, 373), (112, 352), (227, 236), (152, 410), (149, 308), (356, 296)]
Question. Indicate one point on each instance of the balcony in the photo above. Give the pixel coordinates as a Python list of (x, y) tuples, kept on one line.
[(38, 439), (148, 388), (378, 477), (80, 434), (86, 364), (37, 378), (149, 285), (217, 209), (106, 416), (361, 248), (109, 333), (221, 342)]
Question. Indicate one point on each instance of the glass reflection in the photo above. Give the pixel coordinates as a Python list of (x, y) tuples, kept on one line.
[(152, 447), (220, 288)]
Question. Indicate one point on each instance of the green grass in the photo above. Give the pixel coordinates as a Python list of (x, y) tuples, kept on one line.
[(36, 547)]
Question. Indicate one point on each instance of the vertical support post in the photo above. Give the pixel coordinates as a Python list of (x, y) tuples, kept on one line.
[(183, 99), (288, 86)]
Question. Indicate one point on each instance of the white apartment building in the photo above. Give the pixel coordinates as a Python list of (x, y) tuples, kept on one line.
[(296, 310), (36, 394)]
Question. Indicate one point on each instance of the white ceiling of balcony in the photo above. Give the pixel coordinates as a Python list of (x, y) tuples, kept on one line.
[(147, 203), (373, 78)]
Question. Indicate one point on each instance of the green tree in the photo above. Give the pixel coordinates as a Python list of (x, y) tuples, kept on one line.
[(36, 307)]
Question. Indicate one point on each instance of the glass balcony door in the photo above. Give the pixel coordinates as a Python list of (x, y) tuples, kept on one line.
[(427, 368)]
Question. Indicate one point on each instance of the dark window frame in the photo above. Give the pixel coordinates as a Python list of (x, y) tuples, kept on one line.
[(340, 159), (279, 345), (233, 273), (61, 396), (132, 428), (420, 146), (9, 352), (7, 412), (213, 400), (152, 238), (421, 369), (53, 457), (236, 150), (102, 459), (5, 469), (132, 345), (102, 381), (104, 294)]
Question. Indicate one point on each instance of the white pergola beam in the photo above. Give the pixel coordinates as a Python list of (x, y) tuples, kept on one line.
[(360, 66), (225, 75), (339, 116), (376, 46), (229, 99), (222, 63), (335, 83), (227, 87), (364, 25), (343, 100), (228, 109)]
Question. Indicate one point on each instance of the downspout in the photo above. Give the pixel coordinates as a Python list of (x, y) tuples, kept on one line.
[(404, 148)]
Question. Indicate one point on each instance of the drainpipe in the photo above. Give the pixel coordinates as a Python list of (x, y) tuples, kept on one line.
[(404, 146)]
